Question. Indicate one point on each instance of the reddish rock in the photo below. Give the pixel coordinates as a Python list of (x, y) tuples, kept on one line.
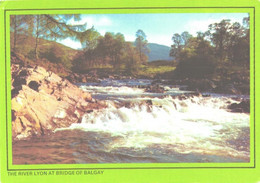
[(45, 102)]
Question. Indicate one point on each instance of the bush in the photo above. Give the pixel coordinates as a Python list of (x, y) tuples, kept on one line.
[(56, 54), (196, 66)]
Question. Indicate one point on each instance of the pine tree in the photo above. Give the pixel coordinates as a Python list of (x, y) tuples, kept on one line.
[(141, 44)]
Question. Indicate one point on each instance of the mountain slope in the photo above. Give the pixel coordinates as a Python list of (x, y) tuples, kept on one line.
[(158, 52)]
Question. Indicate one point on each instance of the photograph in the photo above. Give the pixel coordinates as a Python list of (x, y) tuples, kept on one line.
[(116, 88)]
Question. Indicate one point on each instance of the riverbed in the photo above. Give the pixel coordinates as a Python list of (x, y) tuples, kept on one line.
[(138, 126)]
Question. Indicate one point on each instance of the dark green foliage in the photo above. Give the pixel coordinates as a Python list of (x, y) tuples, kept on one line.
[(223, 44), (89, 39), (196, 66), (141, 45), (230, 41), (53, 54), (49, 27), (111, 50), (20, 25), (56, 54), (179, 42)]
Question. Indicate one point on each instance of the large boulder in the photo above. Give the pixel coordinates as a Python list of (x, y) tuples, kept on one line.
[(201, 85), (42, 101)]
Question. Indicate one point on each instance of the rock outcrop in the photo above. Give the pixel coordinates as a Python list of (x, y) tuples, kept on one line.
[(42, 101), (243, 107)]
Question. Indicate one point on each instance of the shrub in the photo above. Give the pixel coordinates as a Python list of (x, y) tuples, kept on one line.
[(196, 66)]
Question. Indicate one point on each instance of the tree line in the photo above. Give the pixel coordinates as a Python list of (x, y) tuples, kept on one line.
[(111, 49), (50, 27), (224, 43)]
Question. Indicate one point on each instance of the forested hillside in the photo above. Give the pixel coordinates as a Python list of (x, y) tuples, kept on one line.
[(220, 54)]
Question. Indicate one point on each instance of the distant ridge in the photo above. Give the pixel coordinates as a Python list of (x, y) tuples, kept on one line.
[(158, 52)]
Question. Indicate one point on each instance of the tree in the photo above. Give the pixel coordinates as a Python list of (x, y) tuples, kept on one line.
[(239, 44), (118, 48), (20, 25), (196, 59), (141, 45), (179, 42), (246, 40), (110, 48), (53, 27), (219, 34), (130, 58), (176, 47), (89, 41), (185, 36), (89, 38)]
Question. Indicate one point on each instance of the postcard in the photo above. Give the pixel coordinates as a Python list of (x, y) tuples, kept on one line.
[(129, 91)]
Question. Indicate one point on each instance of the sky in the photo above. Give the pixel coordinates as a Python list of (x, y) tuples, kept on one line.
[(159, 28)]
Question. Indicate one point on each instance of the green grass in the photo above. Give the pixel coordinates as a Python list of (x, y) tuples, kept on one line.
[(151, 71), (142, 71)]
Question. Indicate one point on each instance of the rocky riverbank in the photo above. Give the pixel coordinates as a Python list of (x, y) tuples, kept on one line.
[(42, 101), (237, 84), (239, 87)]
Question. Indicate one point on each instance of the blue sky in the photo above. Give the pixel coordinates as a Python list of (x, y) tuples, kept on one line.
[(159, 28)]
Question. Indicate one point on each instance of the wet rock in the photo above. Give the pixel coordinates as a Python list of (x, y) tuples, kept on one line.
[(34, 85), (15, 91), (18, 82), (13, 115), (83, 79), (182, 97), (227, 88), (149, 102), (206, 95), (71, 78), (157, 81), (201, 85), (154, 89), (197, 94), (242, 107), (23, 73)]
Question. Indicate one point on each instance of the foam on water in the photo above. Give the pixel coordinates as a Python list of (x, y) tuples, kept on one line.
[(196, 124), (121, 90)]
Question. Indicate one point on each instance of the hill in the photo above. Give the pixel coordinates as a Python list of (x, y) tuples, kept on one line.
[(53, 56), (158, 52)]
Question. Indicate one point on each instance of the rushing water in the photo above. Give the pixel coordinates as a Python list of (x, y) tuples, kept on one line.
[(139, 126)]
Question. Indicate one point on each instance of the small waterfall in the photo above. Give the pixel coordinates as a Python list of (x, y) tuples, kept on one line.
[(194, 124)]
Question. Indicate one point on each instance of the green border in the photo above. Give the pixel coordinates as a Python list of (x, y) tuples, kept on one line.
[(123, 166), (135, 171)]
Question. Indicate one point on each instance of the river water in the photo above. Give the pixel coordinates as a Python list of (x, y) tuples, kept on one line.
[(145, 127)]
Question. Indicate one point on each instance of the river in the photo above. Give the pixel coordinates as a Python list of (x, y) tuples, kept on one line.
[(145, 127)]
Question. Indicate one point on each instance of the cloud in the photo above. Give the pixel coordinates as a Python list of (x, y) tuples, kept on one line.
[(202, 25), (198, 25), (70, 43), (90, 20), (161, 39), (129, 37)]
